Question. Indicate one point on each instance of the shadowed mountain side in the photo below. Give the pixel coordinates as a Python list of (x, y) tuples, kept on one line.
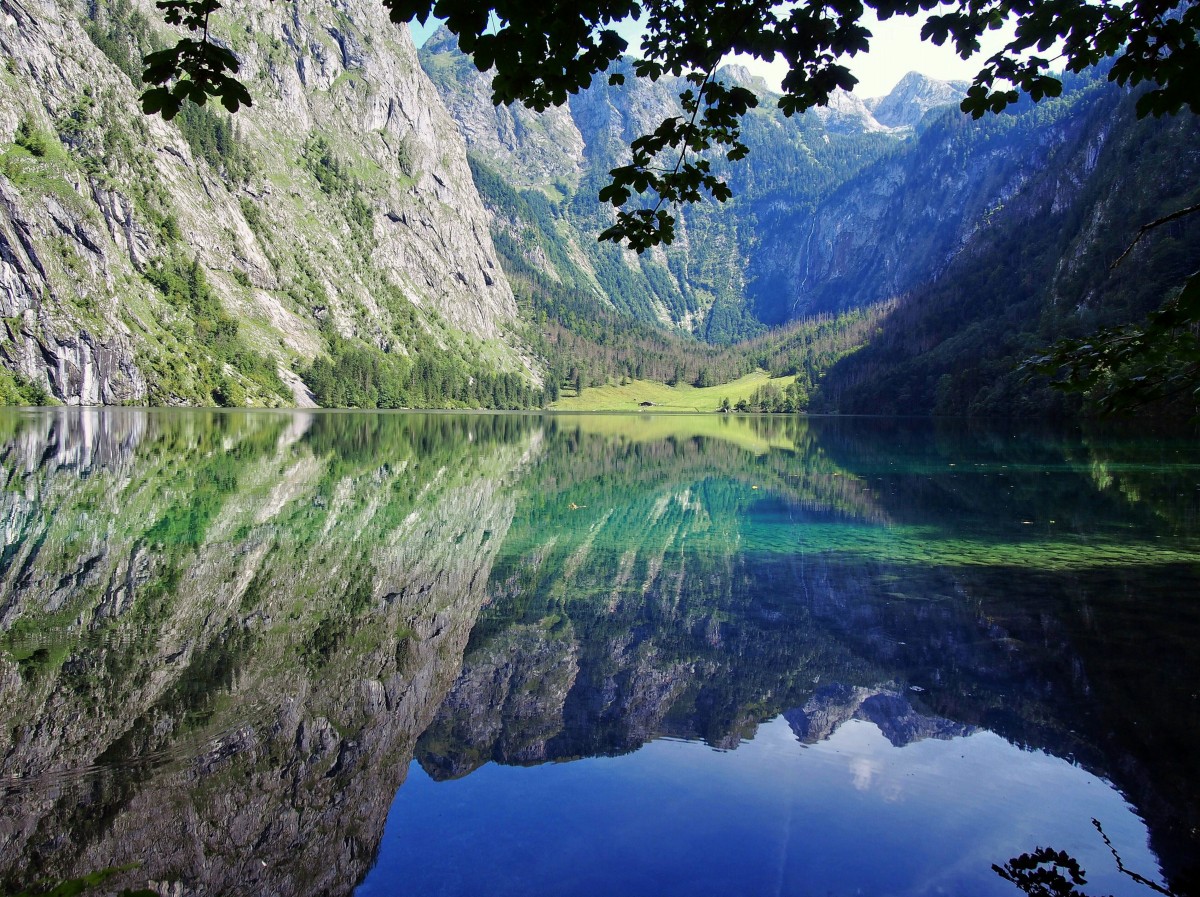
[(265, 612), (1034, 266)]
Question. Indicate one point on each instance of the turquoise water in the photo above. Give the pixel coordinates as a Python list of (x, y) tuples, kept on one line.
[(289, 652)]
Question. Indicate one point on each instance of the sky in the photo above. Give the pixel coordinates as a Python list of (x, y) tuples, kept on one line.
[(896, 49)]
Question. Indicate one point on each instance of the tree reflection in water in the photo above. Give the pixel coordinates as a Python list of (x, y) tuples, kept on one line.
[(246, 621), (1055, 873)]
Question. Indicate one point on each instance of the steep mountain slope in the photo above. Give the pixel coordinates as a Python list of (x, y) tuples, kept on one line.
[(1038, 264), (546, 217), (204, 261), (898, 225)]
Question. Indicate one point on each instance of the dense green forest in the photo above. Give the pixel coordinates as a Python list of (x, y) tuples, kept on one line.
[(587, 344), (362, 376)]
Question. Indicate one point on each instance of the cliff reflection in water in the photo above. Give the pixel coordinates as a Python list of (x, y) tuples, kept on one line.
[(933, 581), (224, 636), (224, 632)]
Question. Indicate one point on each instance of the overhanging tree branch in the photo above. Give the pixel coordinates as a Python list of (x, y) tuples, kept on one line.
[(1146, 228), (543, 52)]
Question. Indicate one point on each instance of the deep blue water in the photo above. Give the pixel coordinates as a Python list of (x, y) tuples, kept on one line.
[(851, 815)]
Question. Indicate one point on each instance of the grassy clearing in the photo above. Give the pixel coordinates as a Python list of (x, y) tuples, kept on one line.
[(667, 398)]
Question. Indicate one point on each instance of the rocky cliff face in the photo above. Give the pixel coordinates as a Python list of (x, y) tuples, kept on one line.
[(340, 202), (551, 166), (913, 96), (535, 149), (848, 113), (233, 669)]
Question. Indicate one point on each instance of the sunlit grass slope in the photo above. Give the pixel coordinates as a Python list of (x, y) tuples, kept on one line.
[(684, 397)]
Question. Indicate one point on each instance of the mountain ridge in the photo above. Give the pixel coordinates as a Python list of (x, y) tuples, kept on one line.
[(349, 241)]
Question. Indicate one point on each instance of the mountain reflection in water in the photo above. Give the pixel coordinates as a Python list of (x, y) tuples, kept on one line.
[(224, 637)]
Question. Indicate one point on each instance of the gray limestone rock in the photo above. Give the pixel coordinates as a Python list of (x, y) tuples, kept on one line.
[(119, 193), (913, 96)]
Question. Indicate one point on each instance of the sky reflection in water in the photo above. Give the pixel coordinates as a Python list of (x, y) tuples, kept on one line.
[(849, 815)]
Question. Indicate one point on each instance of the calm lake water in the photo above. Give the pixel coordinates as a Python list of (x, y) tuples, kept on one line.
[(291, 653)]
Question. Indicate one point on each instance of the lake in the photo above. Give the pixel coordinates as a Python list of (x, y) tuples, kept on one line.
[(384, 653)]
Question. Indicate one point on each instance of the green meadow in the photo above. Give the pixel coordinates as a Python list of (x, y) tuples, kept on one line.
[(684, 397)]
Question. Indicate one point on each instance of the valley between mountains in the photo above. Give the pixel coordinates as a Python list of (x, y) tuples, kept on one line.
[(373, 232)]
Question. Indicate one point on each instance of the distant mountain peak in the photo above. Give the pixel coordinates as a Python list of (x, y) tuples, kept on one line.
[(913, 96), (847, 113), (442, 40), (743, 77)]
